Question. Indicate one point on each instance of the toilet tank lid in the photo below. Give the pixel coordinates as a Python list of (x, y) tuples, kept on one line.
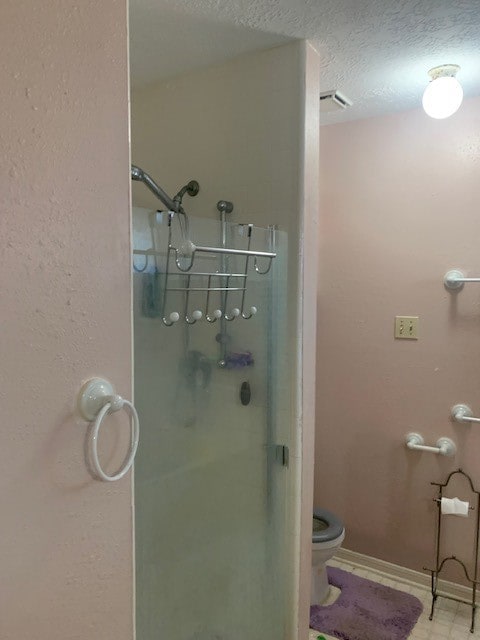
[(334, 528)]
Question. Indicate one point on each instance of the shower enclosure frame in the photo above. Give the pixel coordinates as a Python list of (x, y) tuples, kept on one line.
[(302, 225)]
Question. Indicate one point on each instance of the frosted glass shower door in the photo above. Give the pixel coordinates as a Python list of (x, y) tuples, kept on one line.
[(213, 558)]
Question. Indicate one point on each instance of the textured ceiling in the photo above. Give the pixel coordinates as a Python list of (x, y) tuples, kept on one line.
[(376, 52)]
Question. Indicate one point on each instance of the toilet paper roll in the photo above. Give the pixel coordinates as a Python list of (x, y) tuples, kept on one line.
[(454, 507)]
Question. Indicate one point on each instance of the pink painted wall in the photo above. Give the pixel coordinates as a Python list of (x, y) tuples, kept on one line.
[(400, 205), (66, 540), (308, 247)]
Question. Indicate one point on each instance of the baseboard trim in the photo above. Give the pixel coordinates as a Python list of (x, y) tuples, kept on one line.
[(401, 574)]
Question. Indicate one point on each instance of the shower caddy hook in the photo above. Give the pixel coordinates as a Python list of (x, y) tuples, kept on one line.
[(97, 399)]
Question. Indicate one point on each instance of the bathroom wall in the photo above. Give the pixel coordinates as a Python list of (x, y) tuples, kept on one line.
[(246, 130), (400, 200), (225, 126), (66, 541)]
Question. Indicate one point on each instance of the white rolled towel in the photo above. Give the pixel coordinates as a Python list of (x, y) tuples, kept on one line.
[(454, 507)]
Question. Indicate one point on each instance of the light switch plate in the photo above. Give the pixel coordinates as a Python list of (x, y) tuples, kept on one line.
[(406, 327)]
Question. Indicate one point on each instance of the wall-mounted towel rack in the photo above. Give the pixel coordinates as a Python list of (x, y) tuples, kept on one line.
[(97, 399), (444, 446), (463, 413), (455, 279)]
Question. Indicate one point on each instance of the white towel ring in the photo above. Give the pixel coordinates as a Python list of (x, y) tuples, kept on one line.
[(107, 408), (97, 399)]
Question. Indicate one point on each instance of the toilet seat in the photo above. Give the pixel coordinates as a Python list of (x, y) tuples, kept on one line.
[(328, 533), (333, 530)]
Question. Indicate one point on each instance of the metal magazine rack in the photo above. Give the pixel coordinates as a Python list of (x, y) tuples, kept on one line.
[(440, 562)]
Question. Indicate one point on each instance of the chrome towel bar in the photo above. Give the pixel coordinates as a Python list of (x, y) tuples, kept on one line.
[(444, 446), (455, 279), (463, 413)]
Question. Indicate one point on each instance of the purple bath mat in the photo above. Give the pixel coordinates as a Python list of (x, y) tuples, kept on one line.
[(365, 610)]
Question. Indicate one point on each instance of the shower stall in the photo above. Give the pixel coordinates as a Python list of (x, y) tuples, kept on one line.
[(213, 493)]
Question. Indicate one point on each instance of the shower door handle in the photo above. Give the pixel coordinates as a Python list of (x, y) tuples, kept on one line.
[(283, 454)]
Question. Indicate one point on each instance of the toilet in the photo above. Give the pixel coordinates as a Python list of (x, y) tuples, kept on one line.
[(327, 536)]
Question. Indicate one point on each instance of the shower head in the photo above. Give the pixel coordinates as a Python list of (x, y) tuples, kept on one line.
[(192, 188)]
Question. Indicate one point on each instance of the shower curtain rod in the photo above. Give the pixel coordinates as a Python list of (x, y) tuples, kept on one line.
[(175, 204)]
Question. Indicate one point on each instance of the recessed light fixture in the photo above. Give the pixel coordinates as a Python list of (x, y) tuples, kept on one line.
[(444, 94)]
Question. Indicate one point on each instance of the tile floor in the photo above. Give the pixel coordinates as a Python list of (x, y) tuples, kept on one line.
[(451, 619)]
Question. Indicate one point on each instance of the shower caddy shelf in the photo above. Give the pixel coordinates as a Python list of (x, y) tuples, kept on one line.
[(221, 278), (223, 282), (439, 563)]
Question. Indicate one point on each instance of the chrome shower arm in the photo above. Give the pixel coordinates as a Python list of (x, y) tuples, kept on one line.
[(140, 175)]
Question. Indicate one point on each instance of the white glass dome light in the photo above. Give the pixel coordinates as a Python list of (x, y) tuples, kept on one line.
[(444, 94)]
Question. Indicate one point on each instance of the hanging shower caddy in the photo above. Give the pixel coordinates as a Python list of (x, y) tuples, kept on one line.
[(180, 260), (440, 562)]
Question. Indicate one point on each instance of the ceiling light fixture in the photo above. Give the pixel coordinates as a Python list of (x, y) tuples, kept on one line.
[(444, 94)]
